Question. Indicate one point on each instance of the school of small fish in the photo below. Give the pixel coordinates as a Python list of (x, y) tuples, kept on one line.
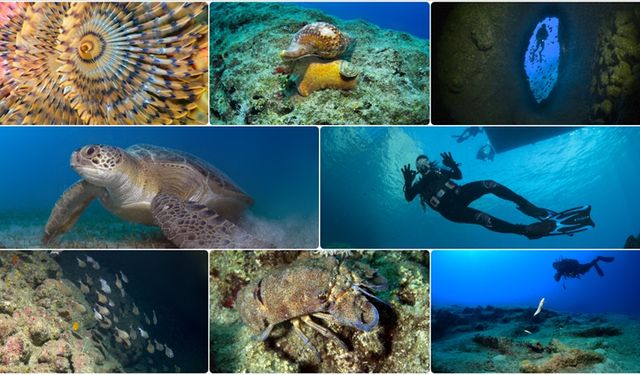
[(109, 313)]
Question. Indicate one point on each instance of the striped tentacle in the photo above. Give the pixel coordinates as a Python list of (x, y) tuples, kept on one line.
[(133, 63)]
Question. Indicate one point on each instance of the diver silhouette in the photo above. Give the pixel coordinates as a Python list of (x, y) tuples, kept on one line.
[(486, 153), (571, 268), (469, 132), (437, 190)]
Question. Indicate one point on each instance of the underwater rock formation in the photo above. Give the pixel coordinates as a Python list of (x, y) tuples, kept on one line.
[(398, 343), (106, 64), (393, 79), (616, 69), (481, 340), (45, 322), (573, 360)]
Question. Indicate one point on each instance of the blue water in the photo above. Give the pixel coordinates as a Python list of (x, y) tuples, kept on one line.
[(412, 18), (542, 58), (522, 278), (278, 167), (363, 204)]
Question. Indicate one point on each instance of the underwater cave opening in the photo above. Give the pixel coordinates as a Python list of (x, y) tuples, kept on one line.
[(542, 58)]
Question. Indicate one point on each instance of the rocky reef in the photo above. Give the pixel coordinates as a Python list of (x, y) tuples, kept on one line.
[(479, 77), (249, 85), (398, 343), (510, 339), (46, 325), (616, 69)]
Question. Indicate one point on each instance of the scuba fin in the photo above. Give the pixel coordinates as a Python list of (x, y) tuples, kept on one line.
[(598, 269), (605, 259), (536, 212), (567, 222)]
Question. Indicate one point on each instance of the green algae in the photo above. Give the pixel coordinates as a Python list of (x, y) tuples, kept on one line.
[(400, 343), (393, 86)]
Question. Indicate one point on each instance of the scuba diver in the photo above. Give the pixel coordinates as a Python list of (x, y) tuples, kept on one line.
[(486, 152), (469, 132), (571, 268), (437, 190)]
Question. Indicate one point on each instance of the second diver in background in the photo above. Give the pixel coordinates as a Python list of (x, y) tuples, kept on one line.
[(437, 190), (571, 268)]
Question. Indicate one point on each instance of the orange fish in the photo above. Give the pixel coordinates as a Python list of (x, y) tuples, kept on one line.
[(75, 326)]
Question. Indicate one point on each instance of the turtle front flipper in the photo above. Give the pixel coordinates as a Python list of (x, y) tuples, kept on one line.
[(68, 209), (194, 226)]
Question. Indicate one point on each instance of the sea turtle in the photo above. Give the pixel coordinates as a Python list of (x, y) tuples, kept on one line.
[(194, 204)]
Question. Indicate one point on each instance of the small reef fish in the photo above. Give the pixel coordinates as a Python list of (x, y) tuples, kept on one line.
[(96, 265), (135, 310), (96, 315), (168, 352), (103, 310), (155, 319), (83, 287), (88, 279), (539, 307), (150, 348), (122, 293), (143, 333), (132, 333), (55, 253), (115, 319), (81, 264), (146, 319), (118, 282), (124, 278), (159, 347), (527, 331), (102, 298), (105, 286), (90, 259)]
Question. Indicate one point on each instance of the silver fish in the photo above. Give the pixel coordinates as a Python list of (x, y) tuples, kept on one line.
[(105, 286), (111, 304), (81, 264), (90, 259), (96, 315), (150, 348), (159, 347), (88, 279), (146, 319), (168, 351), (124, 278), (96, 265), (118, 282), (143, 333), (155, 319), (83, 288)]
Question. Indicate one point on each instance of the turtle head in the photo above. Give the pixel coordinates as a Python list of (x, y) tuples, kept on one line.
[(98, 164)]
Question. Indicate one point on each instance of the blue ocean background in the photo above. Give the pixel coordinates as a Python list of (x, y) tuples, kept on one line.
[(278, 167), (363, 204), (521, 278), (412, 18)]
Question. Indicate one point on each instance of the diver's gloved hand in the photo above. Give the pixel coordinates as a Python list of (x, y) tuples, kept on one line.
[(448, 161), (408, 174)]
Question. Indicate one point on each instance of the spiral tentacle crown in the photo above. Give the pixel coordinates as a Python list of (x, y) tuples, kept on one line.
[(103, 63)]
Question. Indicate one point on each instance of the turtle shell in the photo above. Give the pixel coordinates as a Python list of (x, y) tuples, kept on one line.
[(218, 181)]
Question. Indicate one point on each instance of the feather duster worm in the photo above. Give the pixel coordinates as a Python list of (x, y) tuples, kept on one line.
[(103, 63)]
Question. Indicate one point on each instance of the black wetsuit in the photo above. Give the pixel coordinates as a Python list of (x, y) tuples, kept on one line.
[(571, 268), (452, 200)]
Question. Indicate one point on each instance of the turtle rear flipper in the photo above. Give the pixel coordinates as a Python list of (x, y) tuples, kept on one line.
[(191, 225), (68, 209)]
